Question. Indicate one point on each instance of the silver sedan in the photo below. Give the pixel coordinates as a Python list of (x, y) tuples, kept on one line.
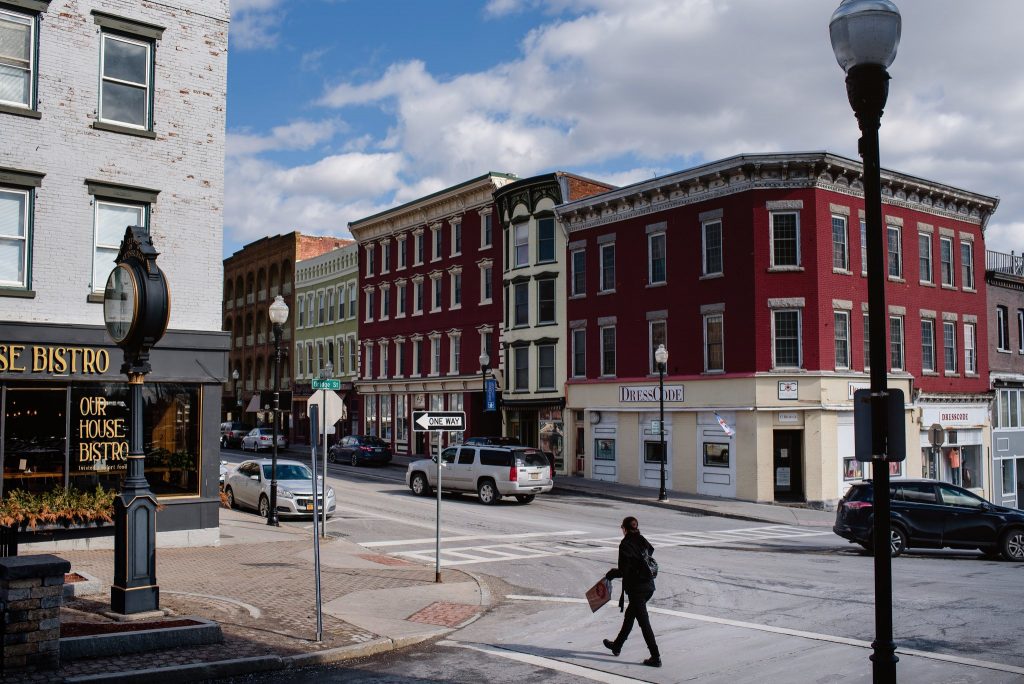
[(249, 486), (263, 438)]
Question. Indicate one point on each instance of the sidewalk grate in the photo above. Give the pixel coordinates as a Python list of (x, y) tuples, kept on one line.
[(444, 614)]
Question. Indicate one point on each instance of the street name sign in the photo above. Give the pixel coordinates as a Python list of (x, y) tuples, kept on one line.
[(326, 384), (439, 421)]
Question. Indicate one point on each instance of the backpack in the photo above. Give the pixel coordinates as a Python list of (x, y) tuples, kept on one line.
[(649, 564)]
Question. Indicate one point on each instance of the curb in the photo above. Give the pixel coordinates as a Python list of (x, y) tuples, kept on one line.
[(682, 508)]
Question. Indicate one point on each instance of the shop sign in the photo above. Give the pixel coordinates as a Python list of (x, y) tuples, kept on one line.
[(56, 360), (789, 418), (100, 434), (641, 393), (955, 416)]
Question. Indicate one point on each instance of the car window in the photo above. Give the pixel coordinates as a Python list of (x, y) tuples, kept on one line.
[(448, 455), (916, 492), (466, 456), (289, 471), (531, 458), (254, 432), (494, 457), (956, 497), (248, 469)]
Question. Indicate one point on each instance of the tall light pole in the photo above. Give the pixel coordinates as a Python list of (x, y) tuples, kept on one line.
[(865, 35), (278, 315), (485, 365), (661, 358), (238, 397)]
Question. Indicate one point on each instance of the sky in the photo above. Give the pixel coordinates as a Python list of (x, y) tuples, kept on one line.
[(339, 109)]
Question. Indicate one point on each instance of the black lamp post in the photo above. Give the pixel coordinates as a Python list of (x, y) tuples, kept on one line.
[(238, 397), (485, 365), (278, 316), (865, 35), (661, 358)]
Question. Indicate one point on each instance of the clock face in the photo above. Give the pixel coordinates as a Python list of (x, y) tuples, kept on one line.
[(120, 302)]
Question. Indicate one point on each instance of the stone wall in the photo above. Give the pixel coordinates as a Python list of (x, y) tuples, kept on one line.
[(31, 589)]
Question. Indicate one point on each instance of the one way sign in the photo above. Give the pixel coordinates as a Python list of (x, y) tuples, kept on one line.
[(439, 421)]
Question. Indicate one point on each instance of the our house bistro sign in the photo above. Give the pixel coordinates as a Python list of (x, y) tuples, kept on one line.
[(640, 393)]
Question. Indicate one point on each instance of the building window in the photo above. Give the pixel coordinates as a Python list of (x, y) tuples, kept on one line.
[(545, 301), (320, 308), (867, 342), (896, 343), (435, 355), (714, 343), (657, 335), (546, 367), (385, 303), (486, 230), (521, 374), (1002, 329), (17, 59), (712, 244), (1020, 330), (417, 300), (840, 247), (370, 252), (353, 356), (399, 358), (455, 353), (579, 272), (400, 291), (330, 306), (970, 349), (521, 304), (111, 220), (895, 252), (863, 248), (302, 312), (419, 248), (486, 284), (456, 290), (456, 238), (608, 350), (546, 239), (967, 265), (841, 319), (401, 418), (949, 346), (385, 257), (924, 256), (579, 353), (946, 260), (522, 244), (435, 286), (656, 258), (928, 345), (608, 267), (309, 359), (371, 415), (437, 238), (125, 81), (383, 360), (16, 229), (340, 370), (368, 371), (402, 257), (353, 295), (786, 335), (785, 239)]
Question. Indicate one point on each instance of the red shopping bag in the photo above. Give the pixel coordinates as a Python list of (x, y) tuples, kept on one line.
[(599, 594)]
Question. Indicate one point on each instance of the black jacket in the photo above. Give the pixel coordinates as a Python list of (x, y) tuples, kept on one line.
[(632, 567)]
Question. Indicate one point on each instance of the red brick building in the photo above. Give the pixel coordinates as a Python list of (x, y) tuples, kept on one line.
[(751, 271)]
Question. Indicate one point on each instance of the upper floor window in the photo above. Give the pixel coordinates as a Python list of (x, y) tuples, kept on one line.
[(1002, 329), (370, 252), (924, 257), (896, 343), (369, 305), (546, 239), (949, 346), (330, 306), (353, 296), (420, 240), (522, 244), (711, 236), (928, 345), (402, 254), (970, 348), (17, 59), (786, 338), (657, 335), (521, 368), (417, 300), (1020, 330), (302, 313), (608, 350), (400, 307), (545, 301), (895, 252), (946, 260), (608, 267), (521, 304), (579, 272), (863, 248), (456, 290), (385, 303), (967, 265), (125, 84), (579, 352), (840, 246), (785, 238), (456, 238), (385, 257), (486, 284), (341, 303), (486, 230), (435, 235), (15, 236), (546, 366), (841, 334), (435, 284), (714, 343), (320, 309), (656, 258), (111, 219)]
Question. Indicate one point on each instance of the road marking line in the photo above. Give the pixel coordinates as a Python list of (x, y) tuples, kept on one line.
[(431, 540), (972, 662), (546, 663)]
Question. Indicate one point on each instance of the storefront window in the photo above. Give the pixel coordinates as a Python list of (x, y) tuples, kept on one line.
[(716, 455), (402, 418), (455, 404), (35, 424), (551, 440), (385, 417), (852, 469), (1008, 474), (653, 452), (371, 415), (604, 449)]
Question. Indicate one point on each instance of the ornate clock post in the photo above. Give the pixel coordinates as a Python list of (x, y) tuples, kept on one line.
[(136, 308)]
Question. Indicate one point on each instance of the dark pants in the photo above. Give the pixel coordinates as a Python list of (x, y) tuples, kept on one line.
[(637, 610)]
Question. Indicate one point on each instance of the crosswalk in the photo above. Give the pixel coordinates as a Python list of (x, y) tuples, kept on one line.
[(494, 548)]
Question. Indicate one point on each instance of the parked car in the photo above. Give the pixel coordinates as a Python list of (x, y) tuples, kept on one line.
[(358, 449), (231, 434), (263, 438), (932, 514), (498, 440), (490, 471), (223, 472), (249, 486)]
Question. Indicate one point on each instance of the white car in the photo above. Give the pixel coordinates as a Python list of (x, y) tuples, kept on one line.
[(489, 470), (263, 438), (249, 486)]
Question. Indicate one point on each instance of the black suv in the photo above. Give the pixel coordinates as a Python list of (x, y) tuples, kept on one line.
[(932, 514)]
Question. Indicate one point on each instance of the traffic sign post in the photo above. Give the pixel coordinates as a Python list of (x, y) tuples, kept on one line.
[(936, 435)]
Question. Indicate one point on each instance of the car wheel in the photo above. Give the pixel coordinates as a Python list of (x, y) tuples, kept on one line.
[(419, 485), (223, 442), (355, 459), (264, 507), (897, 541), (1012, 544), (488, 493), (525, 498), (331, 458), (230, 495)]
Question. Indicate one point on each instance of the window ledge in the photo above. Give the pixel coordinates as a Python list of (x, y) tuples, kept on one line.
[(663, 283), (417, 313), (21, 294), (896, 279), (21, 111), (931, 374), (971, 375), (95, 298), (126, 130), (606, 292), (969, 289), (711, 276), (484, 302), (483, 247), (455, 307), (714, 372), (951, 374), (1004, 351), (948, 287), (455, 254), (842, 271), (577, 296), (926, 283), (788, 369), (785, 269), (546, 324), (436, 310)]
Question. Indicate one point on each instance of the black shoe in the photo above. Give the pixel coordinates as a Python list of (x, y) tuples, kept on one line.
[(653, 661), (610, 645)]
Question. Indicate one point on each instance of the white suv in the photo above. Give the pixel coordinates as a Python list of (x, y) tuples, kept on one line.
[(490, 471)]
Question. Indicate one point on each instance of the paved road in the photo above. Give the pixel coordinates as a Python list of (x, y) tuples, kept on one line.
[(739, 586)]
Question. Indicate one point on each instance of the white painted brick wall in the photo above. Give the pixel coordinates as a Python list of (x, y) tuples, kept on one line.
[(185, 162)]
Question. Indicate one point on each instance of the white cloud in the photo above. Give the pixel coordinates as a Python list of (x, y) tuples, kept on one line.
[(298, 135), (254, 24)]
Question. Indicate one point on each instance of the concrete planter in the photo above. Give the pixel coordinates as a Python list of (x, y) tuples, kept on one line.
[(99, 645)]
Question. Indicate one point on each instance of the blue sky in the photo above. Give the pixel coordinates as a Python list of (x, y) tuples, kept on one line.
[(338, 109)]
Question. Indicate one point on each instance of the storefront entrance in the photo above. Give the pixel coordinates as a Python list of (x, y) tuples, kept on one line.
[(787, 465)]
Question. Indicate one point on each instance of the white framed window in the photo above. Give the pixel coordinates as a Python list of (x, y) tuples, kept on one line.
[(456, 238), (111, 220), (330, 306), (787, 343), (417, 299), (320, 309), (607, 350), (456, 288), (1020, 331), (894, 251), (369, 305), (309, 359), (657, 334), (486, 230), (946, 260), (896, 355), (399, 357), (867, 342), (545, 301), (436, 238), (578, 265), (435, 354), (656, 259), (711, 247), (353, 355), (522, 244), (400, 302), (340, 368), (16, 231), (579, 352), (967, 265), (608, 267), (415, 350), (486, 283), (384, 366), (545, 240), (714, 343), (545, 366), (435, 287), (385, 256), (970, 349), (341, 303), (927, 345), (949, 346), (521, 305), (302, 312), (353, 296), (924, 257), (385, 303), (454, 353), (17, 59), (521, 369), (1002, 329), (841, 335), (420, 241), (311, 309), (126, 71), (785, 238), (368, 371), (840, 244), (403, 256), (370, 251), (863, 248)]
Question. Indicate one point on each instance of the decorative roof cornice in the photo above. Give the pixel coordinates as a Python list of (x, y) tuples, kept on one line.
[(821, 170)]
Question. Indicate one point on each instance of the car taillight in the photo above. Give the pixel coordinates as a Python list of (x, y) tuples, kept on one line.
[(365, 448), (552, 469), (856, 505), (513, 474)]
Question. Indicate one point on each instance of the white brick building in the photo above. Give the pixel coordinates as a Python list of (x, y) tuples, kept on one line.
[(112, 113)]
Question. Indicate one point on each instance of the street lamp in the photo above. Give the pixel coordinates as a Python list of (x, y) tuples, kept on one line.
[(485, 365), (238, 397), (278, 315), (865, 35), (661, 358)]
